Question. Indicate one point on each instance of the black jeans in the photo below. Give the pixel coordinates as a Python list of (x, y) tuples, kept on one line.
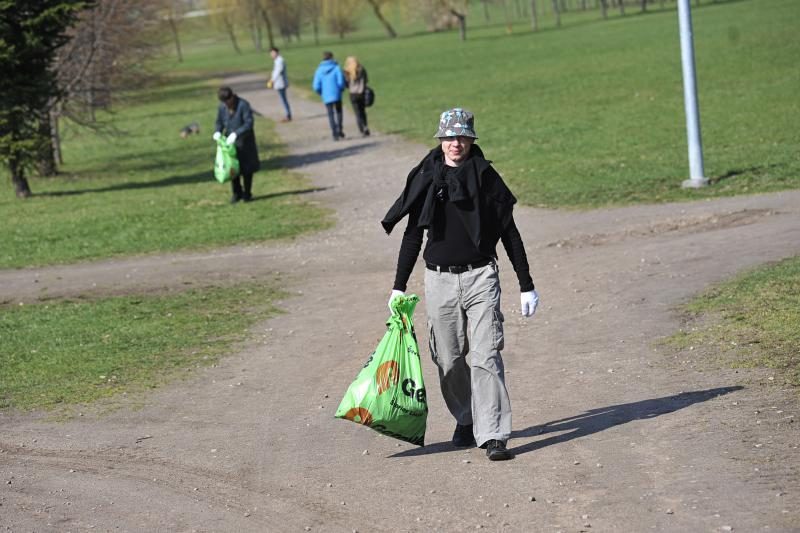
[(360, 110), (335, 108), (236, 185)]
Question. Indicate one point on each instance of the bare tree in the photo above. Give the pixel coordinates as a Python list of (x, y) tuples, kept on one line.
[(225, 14), (103, 59), (340, 16), (376, 8), (534, 16), (313, 10), (174, 12), (604, 8), (557, 13)]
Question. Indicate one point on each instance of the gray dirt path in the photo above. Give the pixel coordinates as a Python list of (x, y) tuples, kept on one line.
[(611, 433)]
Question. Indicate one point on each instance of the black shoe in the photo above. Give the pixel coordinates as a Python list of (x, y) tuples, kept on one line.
[(366, 132), (496, 451), (463, 437), (235, 198), (247, 197)]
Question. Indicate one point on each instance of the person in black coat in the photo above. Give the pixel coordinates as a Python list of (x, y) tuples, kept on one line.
[(235, 119)]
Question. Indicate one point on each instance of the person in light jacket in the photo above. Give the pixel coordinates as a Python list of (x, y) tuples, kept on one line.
[(329, 84), (279, 81), (355, 76), (235, 119)]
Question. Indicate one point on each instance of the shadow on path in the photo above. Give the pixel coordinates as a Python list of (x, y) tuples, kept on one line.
[(590, 422), (308, 158)]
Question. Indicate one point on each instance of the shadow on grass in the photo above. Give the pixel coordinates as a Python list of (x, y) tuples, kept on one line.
[(592, 421), (197, 177), (741, 171)]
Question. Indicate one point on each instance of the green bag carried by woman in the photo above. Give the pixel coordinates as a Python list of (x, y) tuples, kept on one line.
[(226, 164), (388, 394)]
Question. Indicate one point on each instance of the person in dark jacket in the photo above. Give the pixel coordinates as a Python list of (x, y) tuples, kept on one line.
[(458, 197), (235, 120), (355, 76), (329, 84)]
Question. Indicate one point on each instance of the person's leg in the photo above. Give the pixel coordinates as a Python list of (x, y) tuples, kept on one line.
[(248, 185), (338, 107), (448, 342), (285, 101), (236, 188), (491, 406), (332, 120)]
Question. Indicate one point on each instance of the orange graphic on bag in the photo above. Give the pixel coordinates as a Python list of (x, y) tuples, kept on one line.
[(387, 375), (363, 416)]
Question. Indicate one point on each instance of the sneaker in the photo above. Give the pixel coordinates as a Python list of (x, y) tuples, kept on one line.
[(366, 132), (286, 119), (247, 197), (463, 437), (496, 451)]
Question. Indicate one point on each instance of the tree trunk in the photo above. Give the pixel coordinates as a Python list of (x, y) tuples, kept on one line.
[(231, 34), (604, 8), (534, 17), (21, 187), (174, 27), (486, 16), (622, 7), (462, 24), (45, 158), (557, 13), (388, 27), (644, 6), (268, 24), (57, 140)]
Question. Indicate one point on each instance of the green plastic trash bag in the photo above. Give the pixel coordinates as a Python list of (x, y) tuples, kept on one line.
[(388, 394), (226, 164)]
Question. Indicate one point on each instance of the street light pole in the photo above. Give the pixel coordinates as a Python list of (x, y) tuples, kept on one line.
[(696, 172)]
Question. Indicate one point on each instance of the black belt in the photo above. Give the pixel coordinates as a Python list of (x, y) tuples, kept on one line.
[(458, 269)]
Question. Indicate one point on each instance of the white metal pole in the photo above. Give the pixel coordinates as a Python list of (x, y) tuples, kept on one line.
[(696, 172)]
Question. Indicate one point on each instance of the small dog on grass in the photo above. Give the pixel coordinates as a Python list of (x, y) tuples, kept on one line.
[(189, 129)]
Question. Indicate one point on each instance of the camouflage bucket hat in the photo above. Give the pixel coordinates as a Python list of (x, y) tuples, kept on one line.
[(456, 122)]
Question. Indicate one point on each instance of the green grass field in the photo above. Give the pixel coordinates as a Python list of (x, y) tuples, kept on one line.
[(146, 190), (78, 351), (591, 114)]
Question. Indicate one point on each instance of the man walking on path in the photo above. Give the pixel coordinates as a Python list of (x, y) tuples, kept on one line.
[(329, 84), (466, 207), (279, 81)]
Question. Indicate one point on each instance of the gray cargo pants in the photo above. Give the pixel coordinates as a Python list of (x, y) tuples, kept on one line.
[(464, 318)]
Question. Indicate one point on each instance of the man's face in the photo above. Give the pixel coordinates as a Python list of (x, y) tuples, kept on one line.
[(273, 53), (456, 149)]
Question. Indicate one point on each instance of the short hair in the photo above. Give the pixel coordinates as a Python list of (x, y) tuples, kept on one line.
[(273, 49), (224, 93), (327, 55)]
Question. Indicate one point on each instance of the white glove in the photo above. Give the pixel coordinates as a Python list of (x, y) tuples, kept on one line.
[(231, 138), (394, 294), (528, 302), (216, 135)]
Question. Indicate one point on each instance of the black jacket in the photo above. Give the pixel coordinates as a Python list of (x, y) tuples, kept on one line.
[(485, 202)]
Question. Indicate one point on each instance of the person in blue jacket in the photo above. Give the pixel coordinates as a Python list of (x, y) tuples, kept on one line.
[(329, 84)]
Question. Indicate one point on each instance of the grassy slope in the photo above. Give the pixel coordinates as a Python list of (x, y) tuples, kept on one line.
[(148, 190), (71, 351), (752, 320)]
